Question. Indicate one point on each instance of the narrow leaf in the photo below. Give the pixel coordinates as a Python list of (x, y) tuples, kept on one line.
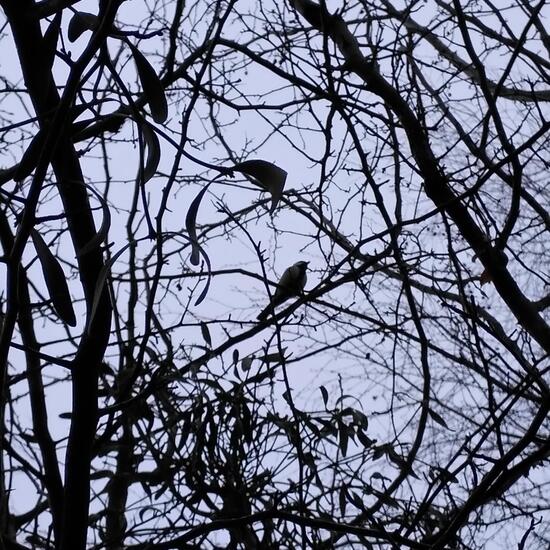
[(364, 439), (152, 145), (204, 292), (355, 499), (152, 86), (101, 235), (102, 277), (206, 334), (343, 438), (399, 461), (56, 282), (342, 500), (191, 225), (151, 511), (437, 418), (324, 392), (266, 175)]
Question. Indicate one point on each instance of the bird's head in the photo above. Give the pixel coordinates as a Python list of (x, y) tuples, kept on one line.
[(302, 266)]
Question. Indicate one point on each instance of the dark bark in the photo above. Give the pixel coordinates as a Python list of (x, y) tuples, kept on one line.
[(60, 151)]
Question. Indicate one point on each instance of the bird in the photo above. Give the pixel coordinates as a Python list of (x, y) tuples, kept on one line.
[(291, 284)]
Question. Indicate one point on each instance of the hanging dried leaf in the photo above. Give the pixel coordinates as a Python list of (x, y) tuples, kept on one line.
[(102, 278), (152, 146), (101, 235), (399, 461), (360, 418), (204, 292), (342, 500), (246, 363), (364, 439), (287, 397), (55, 279), (343, 438), (324, 393), (437, 418), (81, 22), (152, 86), (266, 175), (246, 421), (191, 225), (206, 334), (276, 357)]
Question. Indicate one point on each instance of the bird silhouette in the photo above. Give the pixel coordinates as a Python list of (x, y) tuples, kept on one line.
[(291, 284)]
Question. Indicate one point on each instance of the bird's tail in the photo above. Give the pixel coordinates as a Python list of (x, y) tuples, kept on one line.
[(265, 313)]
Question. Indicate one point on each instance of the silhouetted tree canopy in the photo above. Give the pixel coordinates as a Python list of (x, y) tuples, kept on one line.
[(162, 163)]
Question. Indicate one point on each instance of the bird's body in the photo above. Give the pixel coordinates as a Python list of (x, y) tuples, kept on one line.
[(291, 284)]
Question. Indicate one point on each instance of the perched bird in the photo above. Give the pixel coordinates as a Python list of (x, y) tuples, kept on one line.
[(291, 284)]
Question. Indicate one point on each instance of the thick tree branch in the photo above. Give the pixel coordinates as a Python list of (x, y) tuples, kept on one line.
[(59, 148), (435, 182)]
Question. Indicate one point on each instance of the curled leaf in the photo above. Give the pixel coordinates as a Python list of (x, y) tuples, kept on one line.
[(266, 175), (204, 292), (276, 357), (191, 225), (55, 280), (152, 86), (152, 146), (81, 22), (101, 235), (102, 278), (360, 419)]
